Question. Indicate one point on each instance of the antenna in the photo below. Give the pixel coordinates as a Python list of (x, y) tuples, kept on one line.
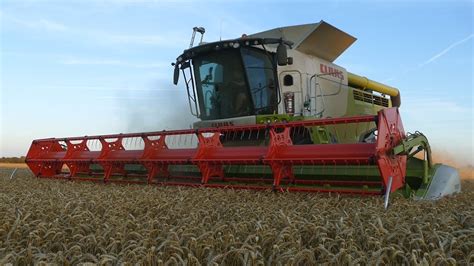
[(220, 31)]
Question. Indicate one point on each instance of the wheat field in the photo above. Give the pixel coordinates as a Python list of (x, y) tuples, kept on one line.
[(61, 222)]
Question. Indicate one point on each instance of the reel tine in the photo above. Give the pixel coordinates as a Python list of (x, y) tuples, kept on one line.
[(337, 133), (357, 129)]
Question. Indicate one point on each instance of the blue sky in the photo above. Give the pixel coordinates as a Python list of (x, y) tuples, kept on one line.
[(90, 67)]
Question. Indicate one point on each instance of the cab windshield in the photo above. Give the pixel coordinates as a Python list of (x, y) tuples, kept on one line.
[(235, 82)]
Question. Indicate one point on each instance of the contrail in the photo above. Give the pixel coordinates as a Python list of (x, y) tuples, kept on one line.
[(431, 60), (438, 55)]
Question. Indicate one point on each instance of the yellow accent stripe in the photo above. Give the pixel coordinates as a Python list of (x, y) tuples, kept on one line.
[(363, 82)]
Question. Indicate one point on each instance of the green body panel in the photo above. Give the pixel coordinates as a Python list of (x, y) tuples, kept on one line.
[(349, 133), (343, 133), (320, 135), (276, 118), (352, 133), (357, 107)]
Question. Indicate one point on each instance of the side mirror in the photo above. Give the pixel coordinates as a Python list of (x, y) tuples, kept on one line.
[(176, 74), (282, 56)]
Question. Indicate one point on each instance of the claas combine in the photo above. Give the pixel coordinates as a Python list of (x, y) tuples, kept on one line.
[(273, 112)]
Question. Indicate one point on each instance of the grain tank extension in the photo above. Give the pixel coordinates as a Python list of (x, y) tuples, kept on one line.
[(273, 111)]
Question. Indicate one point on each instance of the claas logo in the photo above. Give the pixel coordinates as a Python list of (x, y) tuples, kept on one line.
[(222, 124), (331, 71)]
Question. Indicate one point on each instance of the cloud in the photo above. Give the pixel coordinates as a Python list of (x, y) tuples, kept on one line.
[(50, 25), (438, 55), (113, 62), (437, 108), (91, 62), (39, 24), (144, 98), (137, 39), (165, 39), (104, 88), (97, 36)]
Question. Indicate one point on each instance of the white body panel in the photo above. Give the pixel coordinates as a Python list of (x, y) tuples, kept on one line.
[(243, 120), (319, 83)]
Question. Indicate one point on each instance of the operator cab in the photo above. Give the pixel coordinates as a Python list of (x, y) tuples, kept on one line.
[(235, 82), (234, 78)]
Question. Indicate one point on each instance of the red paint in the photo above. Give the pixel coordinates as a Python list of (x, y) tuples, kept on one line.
[(331, 71), (47, 157)]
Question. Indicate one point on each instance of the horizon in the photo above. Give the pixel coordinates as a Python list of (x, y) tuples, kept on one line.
[(98, 67)]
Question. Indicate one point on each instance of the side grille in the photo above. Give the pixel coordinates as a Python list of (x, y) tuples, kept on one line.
[(370, 98)]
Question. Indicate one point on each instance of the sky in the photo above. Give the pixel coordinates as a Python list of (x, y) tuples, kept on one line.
[(72, 68)]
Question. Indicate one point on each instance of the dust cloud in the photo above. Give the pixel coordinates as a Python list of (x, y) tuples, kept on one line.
[(466, 170), (161, 107)]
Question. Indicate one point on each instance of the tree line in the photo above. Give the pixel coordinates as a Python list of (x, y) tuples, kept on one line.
[(12, 159)]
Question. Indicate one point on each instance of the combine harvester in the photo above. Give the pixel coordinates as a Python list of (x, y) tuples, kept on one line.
[(274, 112)]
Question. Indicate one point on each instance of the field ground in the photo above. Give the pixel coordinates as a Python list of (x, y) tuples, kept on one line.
[(65, 222), (13, 165)]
